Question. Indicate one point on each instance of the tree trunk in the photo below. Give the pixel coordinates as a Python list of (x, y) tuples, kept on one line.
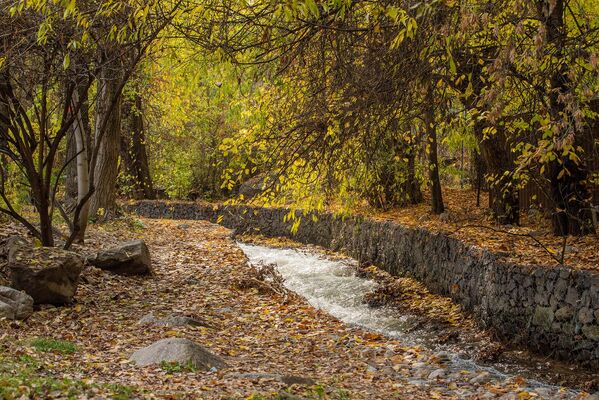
[(568, 179), (494, 148), (82, 170), (106, 166), (479, 174), (412, 183), (503, 190), (133, 151), (4, 118), (435, 182), (83, 124), (41, 199)]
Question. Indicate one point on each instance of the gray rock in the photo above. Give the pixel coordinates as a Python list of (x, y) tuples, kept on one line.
[(417, 382), (585, 316), (591, 331), (131, 258), (571, 249), (173, 320), (178, 350), (436, 374), (572, 296), (543, 317), (296, 380), (148, 319), (48, 275), (480, 378), (286, 379), (565, 313), (15, 304)]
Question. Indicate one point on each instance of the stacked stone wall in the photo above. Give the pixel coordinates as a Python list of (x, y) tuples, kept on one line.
[(551, 310)]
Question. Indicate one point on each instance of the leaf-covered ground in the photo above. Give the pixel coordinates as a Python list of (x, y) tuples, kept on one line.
[(530, 243), (82, 350)]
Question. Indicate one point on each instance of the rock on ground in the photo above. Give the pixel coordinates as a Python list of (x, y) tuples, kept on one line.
[(130, 258), (15, 304), (178, 350), (48, 275), (286, 379), (173, 320)]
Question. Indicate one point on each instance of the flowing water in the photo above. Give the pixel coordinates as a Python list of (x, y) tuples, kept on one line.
[(332, 285)]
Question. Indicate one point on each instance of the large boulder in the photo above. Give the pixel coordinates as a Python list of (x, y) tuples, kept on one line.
[(178, 350), (15, 304), (131, 258), (47, 274)]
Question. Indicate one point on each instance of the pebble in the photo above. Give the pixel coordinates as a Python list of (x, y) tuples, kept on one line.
[(418, 382), (443, 357), (371, 369), (436, 374), (480, 378)]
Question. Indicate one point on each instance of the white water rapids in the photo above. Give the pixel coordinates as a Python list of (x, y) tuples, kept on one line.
[(332, 286)]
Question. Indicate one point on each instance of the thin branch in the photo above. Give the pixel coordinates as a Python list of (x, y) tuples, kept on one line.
[(559, 260)]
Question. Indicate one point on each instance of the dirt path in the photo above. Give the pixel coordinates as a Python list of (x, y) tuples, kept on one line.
[(196, 266)]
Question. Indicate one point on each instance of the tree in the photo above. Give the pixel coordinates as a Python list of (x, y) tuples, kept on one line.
[(40, 86), (134, 157), (107, 133), (31, 90)]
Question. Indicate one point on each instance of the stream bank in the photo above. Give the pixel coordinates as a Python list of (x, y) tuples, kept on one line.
[(402, 308), (554, 311), (276, 348)]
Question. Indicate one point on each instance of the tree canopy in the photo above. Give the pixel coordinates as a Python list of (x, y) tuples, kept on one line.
[(314, 104)]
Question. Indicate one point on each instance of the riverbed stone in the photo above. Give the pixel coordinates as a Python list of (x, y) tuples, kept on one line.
[(437, 374), (481, 378)]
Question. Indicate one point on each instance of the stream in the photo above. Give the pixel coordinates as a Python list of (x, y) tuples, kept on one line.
[(331, 284)]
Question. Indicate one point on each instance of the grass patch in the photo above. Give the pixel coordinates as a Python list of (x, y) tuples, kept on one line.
[(49, 345), (173, 367), (316, 392), (120, 392), (21, 378)]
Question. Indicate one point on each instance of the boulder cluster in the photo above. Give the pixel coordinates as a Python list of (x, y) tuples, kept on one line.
[(43, 275), (49, 275)]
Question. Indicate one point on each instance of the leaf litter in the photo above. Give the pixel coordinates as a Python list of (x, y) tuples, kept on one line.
[(261, 333)]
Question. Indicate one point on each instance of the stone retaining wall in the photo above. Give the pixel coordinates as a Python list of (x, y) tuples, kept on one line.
[(553, 311)]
